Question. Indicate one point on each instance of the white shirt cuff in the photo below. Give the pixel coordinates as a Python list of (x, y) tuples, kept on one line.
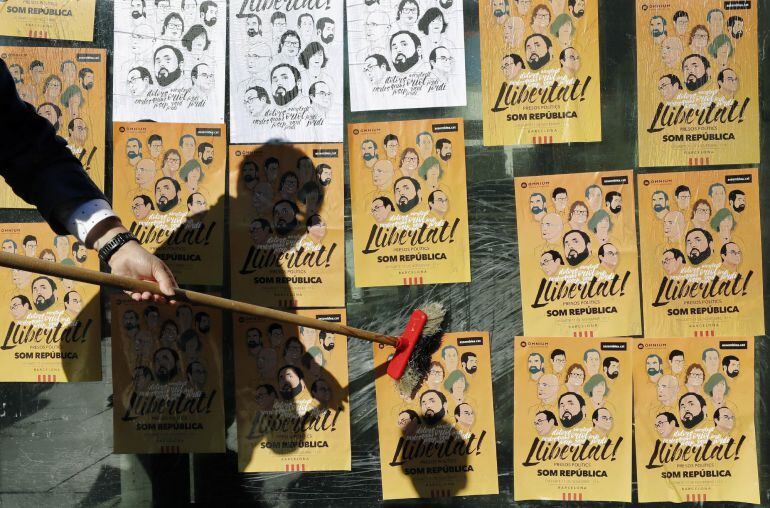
[(82, 219)]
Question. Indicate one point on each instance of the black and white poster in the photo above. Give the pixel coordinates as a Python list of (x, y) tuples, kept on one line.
[(405, 54), (169, 61), (286, 71)]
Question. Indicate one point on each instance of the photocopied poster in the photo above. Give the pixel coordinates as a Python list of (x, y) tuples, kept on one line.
[(291, 395), (167, 378), (169, 181), (67, 87), (540, 71), (409, 203), (694, 420), (577, 254), (701, 253), (440, 440), (572, 419), (697, 82), (51, 326), (405, 54), (169, 61), (286, 72), (48, 19), (287, 230)]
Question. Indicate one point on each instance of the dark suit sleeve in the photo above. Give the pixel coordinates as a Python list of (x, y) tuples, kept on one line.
[(36, 162)]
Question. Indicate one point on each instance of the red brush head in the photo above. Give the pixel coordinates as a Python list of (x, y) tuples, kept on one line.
[(406, 343)]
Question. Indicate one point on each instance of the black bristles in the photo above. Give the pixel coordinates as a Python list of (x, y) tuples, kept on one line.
[(419, 362)]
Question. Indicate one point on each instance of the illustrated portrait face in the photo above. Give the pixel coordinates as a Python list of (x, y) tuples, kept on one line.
[(284, 217), (130, 321), (538, 51), (677, 362), (290, 382), (611, 368), (438, 202), (671, 50), (577, 7), (265, 396), (435, 374), (731, 366), (381, 209), (167, 66), (469, 362), (43, 295), (202, 76), (284, 83), (513, 31), (653, 365), (691, 410), (377, 26), (407, 194), (321, 95), (405, 51), (537, 203), (144, 173), (169, 332), (551, 262), (500, 8), (328, 340), (165, 364), (602, 420), (432, 406), (681, 21), (166, 194), (547, 387), (695, 69), (382, 174), (326, 33), (408, 12), (608, 256), (724, 419), (86, 77), (668, 387), (408, 421), (570, 61), (673, 225), (558, 361), (577, 246), (665, 424), (196, 204), (728, 81), (20, 307), (258, 58), (79, 250), (535, 363), (695, 375), (73, 302), (50, 113), (321, 391), (711, 359), (571, 409), (735, 27), (576, 375), (441, 60), (511, 67), (544, 422), (592, 360), (699, 246), (444, 149), (464, 415), (196, 373), (78, 132), (290, 44), (657, 26), (659, 202)]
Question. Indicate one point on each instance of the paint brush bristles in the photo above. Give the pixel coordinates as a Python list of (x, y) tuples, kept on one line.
[(419, 362)]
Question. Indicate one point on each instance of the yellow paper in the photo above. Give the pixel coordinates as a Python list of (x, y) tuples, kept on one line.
[(171, 190), (52, 325), (694, 420), (697, 83), (48, 19), (540, 71), (440, 440), (287, 229), (408, 200), (701, 253), (167, 378), (572, 419), (67, 87), (577, 254), (291, 391)]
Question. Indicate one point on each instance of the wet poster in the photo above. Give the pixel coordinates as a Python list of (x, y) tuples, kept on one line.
[(48, 19), (694, 420), (169, 187), (287, 231), (697, 83), (407, 53), (440, 440), (572, 419), (540, 71), (701, 253), (167, 378), (51, 326), (408, 202), (169, 61), (286, 72), (291, 391), (67, 87), (577, 254)]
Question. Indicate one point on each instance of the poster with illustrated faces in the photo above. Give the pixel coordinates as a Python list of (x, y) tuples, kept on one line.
[(291, 395), (439, 441), (52, 19), (405, 54), (701, 247), (572, 419), (167, 378), (286, 72), (540, 71), (287, 231), (577, 254), (697, 75), (67, 87), (409, 203), (694, 420), (169, 61), (168, 184), (52, 327)]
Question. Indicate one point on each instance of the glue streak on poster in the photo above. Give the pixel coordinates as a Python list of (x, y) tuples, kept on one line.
[(51, 19), (169, 61), (572, 419), (286, 70), (408, 53)]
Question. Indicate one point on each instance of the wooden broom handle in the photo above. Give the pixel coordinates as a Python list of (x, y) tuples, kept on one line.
[(31, 264)]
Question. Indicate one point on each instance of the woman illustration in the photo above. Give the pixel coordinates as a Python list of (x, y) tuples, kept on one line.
[(456, 385), (578, 215), (701, 214), (575, 377), (192, 175), (563, 29), (601, 225), (431, 172), (723, 222), (409, 162), (716, 388), (596, 389), (694, 377)]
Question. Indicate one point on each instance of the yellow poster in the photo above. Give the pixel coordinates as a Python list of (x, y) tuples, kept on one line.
[(408, 202), (577, 254), (71, 20), (52, 326), (572, 419), (169, 182), (291, 395), (440, 440), (701, 253), (167, 378), (540, 71), (67, 87), (287, 228), (697, 82), (694, 419)]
